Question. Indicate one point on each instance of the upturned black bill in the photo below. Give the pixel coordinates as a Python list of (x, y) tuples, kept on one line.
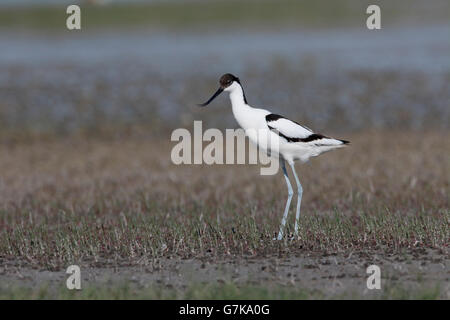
[(219, 91)]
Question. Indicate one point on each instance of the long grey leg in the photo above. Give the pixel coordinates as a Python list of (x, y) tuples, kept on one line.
[(288, 203), (299, 199)]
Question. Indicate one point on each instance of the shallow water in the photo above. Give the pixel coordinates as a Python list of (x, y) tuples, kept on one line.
[(426, 49), (337, 79)]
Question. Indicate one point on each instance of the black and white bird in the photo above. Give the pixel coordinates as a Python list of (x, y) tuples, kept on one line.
[(284, 138)]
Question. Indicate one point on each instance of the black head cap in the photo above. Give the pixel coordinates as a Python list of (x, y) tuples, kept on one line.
[(227, 79)]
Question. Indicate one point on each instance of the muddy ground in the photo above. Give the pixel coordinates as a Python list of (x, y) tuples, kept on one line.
[(330, 276)]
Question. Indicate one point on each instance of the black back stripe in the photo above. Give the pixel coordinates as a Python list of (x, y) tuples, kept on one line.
[(274, 117), (309, 138), (243, 92)]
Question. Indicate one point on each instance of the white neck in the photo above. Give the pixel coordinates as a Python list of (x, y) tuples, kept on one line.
[(237, 96), (239, 107)]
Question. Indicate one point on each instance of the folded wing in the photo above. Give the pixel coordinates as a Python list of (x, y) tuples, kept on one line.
[(294, 132)]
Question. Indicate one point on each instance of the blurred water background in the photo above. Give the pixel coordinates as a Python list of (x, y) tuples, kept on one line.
[(146, 64)]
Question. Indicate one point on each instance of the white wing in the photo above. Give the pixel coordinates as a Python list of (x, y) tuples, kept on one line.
[(294, 132), (286, 128)]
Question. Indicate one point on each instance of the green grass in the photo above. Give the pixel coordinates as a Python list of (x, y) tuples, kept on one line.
[(226, 291), (125, 291), (402, 293), (225, 14), (77, 237)]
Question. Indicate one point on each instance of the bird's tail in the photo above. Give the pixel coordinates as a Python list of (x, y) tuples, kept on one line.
[(327, 144), (330, 142)]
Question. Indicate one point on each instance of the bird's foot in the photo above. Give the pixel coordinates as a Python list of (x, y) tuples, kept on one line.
[(278, 238), (290, 237)]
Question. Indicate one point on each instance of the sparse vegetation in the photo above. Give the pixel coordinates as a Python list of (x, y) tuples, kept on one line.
[(86, 176), (75, 200), (116, 203)]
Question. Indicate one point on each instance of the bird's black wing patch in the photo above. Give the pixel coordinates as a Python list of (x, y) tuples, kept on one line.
[(308, 138), (312, 137), (273, 117), (295, 132)]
